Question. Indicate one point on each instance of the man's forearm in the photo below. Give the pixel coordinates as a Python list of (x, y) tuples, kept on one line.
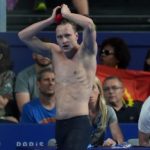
[(32, 30), (81, 20), (144, 139)]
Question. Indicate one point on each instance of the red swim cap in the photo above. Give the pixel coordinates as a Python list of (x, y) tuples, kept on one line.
[(58, 18)]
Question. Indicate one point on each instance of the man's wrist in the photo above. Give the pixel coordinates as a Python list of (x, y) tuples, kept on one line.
[(50, 20)]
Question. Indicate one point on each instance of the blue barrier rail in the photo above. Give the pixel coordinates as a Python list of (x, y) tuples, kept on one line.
[(25, 135), (15, 136)]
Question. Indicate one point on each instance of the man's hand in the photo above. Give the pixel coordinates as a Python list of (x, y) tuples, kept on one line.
[(65, 10), (109, 142), (11, 118), (54, 13)]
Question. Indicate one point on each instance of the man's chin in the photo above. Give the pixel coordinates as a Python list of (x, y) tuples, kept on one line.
[(65, 50), (112, 103)]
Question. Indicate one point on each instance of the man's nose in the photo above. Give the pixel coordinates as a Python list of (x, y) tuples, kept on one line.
[(64, 40), (110, 90), (51, 82)]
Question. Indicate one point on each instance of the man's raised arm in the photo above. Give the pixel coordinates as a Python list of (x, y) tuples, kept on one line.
[(28, 35), (89, 33)]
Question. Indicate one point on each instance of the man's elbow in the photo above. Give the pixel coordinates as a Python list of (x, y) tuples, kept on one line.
[(22, 36), (90, 25)]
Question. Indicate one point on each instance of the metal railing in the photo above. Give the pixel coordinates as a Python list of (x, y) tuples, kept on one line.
[(3, 16)]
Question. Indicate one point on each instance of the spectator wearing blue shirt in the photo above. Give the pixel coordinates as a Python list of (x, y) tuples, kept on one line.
[(41, 110)]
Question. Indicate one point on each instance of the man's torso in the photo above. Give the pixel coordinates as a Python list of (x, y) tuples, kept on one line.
[(74, 80)]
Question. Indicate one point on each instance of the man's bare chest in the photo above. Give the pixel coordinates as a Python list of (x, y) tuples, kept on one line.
[(70, 72)]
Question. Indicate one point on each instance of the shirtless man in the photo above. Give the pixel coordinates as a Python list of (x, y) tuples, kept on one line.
[(75, 67)]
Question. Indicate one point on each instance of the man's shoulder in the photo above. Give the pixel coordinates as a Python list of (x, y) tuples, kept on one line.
[(147, 102), (9, 74), (32, 103), (110, 109), (146, 106), (111, 114), (28, 71)]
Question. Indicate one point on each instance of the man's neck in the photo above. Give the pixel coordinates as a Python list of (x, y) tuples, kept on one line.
[(72, 52), (117, 106), (48, 102)]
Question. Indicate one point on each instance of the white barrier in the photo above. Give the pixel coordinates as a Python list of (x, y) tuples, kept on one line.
[(3, 16)]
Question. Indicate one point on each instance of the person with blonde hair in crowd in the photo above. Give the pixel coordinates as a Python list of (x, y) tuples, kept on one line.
[(101, 116)]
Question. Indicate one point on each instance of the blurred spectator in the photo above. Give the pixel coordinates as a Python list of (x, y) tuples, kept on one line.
[(11, 4), (101, 116), (8, 109), (147, 61), (80, 5), (26, 87), (114, 52), (144, 124), (41, 110), (114, 94)]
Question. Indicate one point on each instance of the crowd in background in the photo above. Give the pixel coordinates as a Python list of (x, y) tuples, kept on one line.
[(28, 97), (23, 89)]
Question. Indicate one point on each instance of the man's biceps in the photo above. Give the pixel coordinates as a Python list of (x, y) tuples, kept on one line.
[(23, 96)]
